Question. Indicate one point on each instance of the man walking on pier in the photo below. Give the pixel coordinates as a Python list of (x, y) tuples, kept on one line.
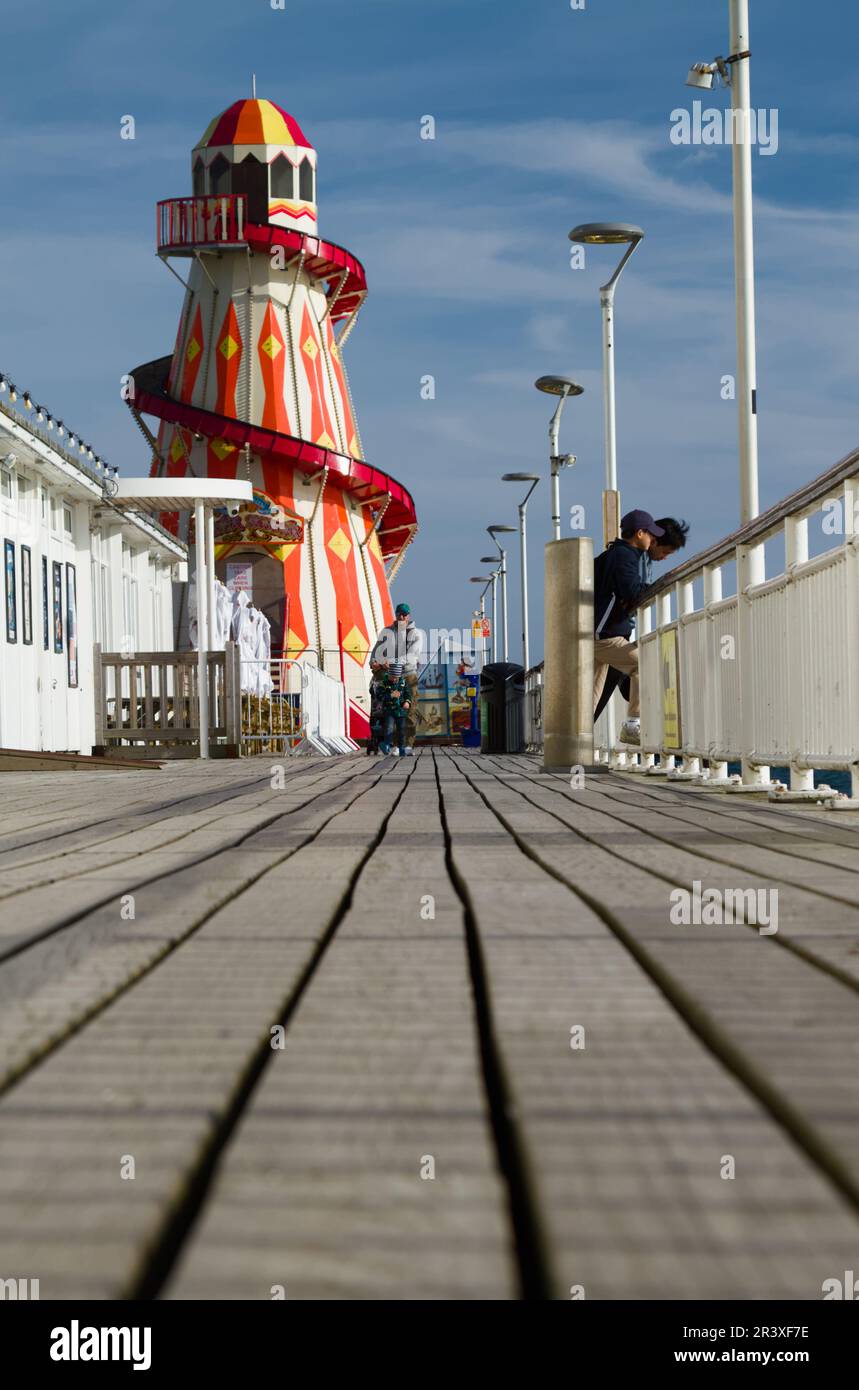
[(398, 649), (618, 584)]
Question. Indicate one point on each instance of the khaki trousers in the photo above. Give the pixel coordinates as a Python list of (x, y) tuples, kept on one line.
[(622, 654)]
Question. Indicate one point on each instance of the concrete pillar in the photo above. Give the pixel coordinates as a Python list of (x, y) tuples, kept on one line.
[(568, 675)]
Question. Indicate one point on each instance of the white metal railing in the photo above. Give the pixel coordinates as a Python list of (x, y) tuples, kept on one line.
[(324, 726), (290, 706), (534, 708), (272, 705), (766, 677)]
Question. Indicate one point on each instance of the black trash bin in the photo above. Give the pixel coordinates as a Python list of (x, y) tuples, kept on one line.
[(502, 708)]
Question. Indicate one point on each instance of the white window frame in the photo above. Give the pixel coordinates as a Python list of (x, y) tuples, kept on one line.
[(130, 609)]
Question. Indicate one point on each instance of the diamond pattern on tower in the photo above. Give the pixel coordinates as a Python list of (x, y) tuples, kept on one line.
[(340, 544)]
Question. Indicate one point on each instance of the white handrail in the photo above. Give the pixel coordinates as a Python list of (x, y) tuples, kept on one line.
[(768, 677)]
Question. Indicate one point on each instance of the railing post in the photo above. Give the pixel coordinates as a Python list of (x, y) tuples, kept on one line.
[(663, 618), (751, 570), (795, 553), (685, 600), (717, 771), (232, 696), (850, 637)]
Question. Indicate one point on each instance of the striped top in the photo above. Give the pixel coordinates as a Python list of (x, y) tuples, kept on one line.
[(253, 122)]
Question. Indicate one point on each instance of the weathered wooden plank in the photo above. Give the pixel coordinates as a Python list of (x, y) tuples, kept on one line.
[(174, 1048), (788, 1027), (103, 812), (47, 990), (627, 1135), (781, 831), (381, 1072), (817, 906)]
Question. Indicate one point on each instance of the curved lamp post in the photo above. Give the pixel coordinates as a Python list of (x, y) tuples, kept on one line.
[(609, 234), (533, 479), (493, 560), (495, 531), (485, 580), (563, 387)]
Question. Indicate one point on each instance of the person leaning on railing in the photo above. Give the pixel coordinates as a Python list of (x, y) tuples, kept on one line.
[(673, 539), (618, 585)]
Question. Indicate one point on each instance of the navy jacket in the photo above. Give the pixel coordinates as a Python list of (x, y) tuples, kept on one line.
[(618, 584)]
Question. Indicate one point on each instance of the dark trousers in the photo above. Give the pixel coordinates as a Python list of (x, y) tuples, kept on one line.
[(398, 722)]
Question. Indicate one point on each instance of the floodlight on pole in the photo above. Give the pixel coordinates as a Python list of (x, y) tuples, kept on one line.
[(561, 386), (533, 479), (703, 75)]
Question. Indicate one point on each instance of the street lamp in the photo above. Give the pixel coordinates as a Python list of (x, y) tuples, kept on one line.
[(493, 560), (557, 386), (734, 74), (533, 479), (497, 531), (609, 234), (485, 580)]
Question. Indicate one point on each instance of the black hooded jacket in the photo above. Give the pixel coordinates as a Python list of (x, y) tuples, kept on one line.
[(618, 585)]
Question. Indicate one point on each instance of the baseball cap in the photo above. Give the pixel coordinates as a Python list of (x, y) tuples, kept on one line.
[(403, 610), (640, 521)]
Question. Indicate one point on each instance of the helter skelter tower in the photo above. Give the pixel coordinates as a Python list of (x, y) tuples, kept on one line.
[(256, 388)]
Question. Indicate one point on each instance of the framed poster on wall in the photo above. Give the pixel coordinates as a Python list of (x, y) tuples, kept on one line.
[(72, 624), (58, 606), (46, 622), (11, 592), (26, 596)]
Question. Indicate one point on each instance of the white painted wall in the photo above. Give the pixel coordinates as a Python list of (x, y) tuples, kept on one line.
[(67, 523)]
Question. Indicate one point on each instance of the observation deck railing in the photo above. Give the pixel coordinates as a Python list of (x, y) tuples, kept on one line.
[(215, 220)]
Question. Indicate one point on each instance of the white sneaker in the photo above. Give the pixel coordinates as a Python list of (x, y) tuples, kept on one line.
[(630, 731), (409, 752)]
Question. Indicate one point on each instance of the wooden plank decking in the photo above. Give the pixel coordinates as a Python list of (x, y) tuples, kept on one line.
[(431, 935)]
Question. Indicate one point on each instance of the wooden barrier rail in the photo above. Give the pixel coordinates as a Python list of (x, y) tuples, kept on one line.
[(150, 700)]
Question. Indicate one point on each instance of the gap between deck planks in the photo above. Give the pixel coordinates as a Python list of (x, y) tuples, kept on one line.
[(316, 1175)]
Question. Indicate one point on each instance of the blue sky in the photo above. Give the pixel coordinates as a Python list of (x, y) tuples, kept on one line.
[(545, 117)]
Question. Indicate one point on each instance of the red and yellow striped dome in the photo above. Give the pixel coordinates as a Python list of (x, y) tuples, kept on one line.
[(253, 122)]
